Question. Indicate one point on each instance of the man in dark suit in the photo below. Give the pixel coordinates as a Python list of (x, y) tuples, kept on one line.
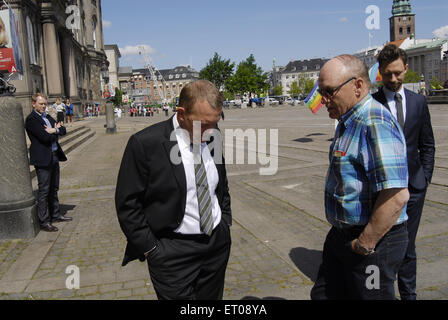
[(45, 154), (411, 111), (173, 202)]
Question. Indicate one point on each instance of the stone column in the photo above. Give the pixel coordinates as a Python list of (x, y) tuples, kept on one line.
[(53, 68), (18, 216), (110, 118)]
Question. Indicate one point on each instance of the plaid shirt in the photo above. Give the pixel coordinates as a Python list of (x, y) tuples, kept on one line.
[(368, 154)]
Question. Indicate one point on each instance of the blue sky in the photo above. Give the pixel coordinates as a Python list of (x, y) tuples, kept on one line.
[(189, 32)]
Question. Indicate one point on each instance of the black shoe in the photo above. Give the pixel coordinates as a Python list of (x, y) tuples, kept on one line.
[(49, 228), (62, 219)]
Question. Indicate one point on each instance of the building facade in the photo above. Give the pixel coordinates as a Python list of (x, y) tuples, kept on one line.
[(427, 59), (163, 87), (294, 70), (63, 53), (113, 55)]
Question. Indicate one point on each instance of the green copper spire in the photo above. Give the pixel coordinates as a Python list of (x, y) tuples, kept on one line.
[(401, 8)]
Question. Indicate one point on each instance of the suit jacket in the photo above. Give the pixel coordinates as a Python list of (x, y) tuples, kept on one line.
[(419, 138), (41, 141), (151, 191)]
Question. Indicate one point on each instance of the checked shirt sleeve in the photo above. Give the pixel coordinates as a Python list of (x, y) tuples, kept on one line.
[(384, 154)]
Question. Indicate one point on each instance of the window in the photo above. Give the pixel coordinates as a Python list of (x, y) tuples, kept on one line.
[(94, 32), (409, 30), (177, 76), (31, 47), (401, 31), (184, 75), (170, 76), (304, 68)]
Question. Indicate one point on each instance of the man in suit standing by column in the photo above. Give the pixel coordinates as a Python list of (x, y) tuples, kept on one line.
[(411, 111), (45, 154), (173, 202)]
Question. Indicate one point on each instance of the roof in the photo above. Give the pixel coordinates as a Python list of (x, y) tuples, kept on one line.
[(125, 70), (113, 47), (397, 43), (187, 70), (430, 44), (304, 65)]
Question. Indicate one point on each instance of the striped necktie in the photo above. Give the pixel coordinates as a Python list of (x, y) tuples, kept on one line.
[(204, 199), (399, 106)]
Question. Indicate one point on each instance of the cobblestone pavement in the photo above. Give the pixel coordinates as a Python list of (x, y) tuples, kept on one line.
[(279, 222)]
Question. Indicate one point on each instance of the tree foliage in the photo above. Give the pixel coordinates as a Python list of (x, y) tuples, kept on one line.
[(411, 77), (278, 90), (217, 71), (117, 100), (248, 78)]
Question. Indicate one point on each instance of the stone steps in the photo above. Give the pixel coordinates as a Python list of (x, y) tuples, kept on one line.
[(73, 139)]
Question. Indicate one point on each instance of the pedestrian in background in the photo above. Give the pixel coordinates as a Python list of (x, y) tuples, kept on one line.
[(411, 111), (365, 191), (60, 108), (69, 110), (45, 155)]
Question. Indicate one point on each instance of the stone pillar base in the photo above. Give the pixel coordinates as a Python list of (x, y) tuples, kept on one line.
[(111, 130), (19, 224)]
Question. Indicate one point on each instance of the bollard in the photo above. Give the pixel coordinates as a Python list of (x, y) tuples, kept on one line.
[(18, 214), (110, 118)]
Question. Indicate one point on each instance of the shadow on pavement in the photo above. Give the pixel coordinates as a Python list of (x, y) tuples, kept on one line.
[(308, 261), (64, 208), (303, 140)]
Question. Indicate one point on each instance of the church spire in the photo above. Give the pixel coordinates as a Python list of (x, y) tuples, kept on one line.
[(401, 8)]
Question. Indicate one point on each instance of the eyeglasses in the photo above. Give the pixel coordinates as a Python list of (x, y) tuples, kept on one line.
[(329, 92)]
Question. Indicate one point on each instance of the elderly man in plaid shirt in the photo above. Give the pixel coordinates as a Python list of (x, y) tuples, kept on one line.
[(366, 189)]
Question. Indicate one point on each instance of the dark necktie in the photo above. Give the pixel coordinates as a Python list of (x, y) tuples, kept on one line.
[(399, 106), (204, 198)]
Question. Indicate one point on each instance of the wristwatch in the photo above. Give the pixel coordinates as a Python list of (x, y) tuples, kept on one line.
[(363, 249)]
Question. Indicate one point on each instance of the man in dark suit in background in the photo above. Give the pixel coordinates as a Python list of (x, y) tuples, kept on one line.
[(45, 154), (411, 111), (173, 202)]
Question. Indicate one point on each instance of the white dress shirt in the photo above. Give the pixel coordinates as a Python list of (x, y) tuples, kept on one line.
[(191, 222), (390, 98)]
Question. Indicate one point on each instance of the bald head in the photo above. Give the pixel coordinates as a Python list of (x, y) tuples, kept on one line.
[(345, 66), (344, 82)]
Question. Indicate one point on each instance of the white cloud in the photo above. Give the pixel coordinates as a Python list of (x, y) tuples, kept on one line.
[(343, 19), (135, 50), (107, 24), (441, 33)]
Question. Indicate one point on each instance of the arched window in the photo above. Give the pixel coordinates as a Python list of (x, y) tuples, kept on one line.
[(31, 47), (94, 23)]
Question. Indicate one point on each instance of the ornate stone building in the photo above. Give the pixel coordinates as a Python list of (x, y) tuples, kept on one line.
[(402, 22), (62, 51)]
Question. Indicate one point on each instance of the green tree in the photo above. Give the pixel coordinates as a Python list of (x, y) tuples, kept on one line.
[(305, 85), (278, 90), (436, 84), (294, 89), (411, 77), (248, 78), (228, 95), (118, 99), (217, 71)]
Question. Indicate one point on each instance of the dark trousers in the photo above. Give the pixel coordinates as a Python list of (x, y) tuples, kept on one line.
[(60, 117), (407, 274), (192, 267), (47, 196), (344, 274)]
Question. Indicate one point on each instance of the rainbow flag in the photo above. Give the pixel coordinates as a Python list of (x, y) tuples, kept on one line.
[(374, 73), (314, 99)]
